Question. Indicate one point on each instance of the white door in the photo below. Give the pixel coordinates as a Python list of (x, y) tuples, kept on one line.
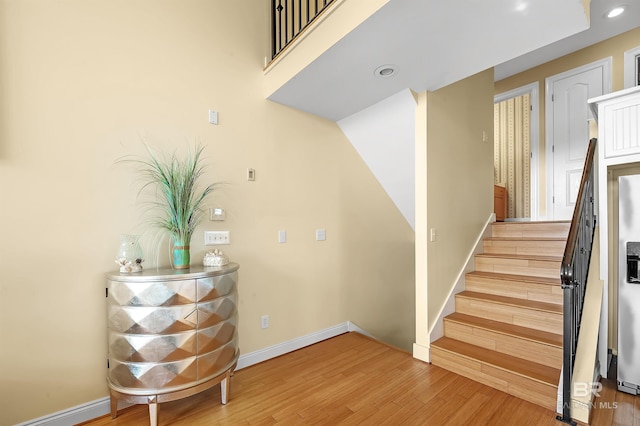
[(570, 134)]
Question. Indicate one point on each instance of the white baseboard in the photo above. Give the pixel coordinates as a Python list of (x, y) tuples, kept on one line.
[(101, 407), (74, 415), (448, 307), (423, 353), (353, 327), (290, 345)]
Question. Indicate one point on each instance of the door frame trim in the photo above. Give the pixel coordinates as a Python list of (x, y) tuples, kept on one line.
[(630, 67), (606, 64), (532, 90)]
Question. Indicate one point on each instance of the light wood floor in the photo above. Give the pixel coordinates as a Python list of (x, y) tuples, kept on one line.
[(353, 380)]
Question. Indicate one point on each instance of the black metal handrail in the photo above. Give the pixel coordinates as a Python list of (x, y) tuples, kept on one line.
[(290, 18), (574, 272)]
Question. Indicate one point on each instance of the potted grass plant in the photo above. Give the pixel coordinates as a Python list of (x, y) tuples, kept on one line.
[(179, 197)]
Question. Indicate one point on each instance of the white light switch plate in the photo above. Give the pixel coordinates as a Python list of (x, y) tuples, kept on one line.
[(212, 238), (213, 116)]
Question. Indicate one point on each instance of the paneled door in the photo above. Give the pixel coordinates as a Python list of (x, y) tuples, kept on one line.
[(570, 133)]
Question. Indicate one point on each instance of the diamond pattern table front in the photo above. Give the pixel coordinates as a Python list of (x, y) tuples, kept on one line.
[(171, 334)]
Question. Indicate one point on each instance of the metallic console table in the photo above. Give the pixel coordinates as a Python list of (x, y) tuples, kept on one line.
[(172, 334)]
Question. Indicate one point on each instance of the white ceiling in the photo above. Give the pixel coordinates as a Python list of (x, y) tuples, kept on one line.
[(601, 28), (434, 43)]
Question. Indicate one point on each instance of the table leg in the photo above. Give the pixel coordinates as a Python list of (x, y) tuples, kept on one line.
[(224, 389), (114, 406), (153, 414)]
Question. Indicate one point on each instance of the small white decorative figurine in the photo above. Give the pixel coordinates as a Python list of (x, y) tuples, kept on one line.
[(127, 266), (215, 258)]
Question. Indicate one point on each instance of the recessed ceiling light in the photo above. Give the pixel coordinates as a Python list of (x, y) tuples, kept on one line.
[(616, 11), (385, 71), (521, 6)]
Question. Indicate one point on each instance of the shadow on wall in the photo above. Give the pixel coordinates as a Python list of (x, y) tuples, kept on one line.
[(3, 84), (3, 97)]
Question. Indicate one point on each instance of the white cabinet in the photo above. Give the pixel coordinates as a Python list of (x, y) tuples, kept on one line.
[(619, 125), (618, 116)]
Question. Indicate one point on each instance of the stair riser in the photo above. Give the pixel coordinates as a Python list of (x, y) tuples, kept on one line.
[(521, 387), (504, 357), (530, 230), (506, 344), (523, 247), (527, 291), (527, 267), (540, 320)]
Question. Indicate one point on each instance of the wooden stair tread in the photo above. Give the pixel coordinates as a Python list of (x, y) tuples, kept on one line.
[(530, 229), (509, 321), (526, 333), (512, 301), (537, 222), (525, 239), (538, 372), (520, 278), (520, 256), (540, 223)]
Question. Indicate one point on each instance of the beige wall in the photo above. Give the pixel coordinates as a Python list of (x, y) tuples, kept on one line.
[(587, 7), (82, 81), (459, 178), (614, 47)]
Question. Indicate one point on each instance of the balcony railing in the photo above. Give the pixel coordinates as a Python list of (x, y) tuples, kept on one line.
[(290, 18)]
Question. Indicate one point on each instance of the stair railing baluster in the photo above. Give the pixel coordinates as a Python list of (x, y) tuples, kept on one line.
[(299, 15), (274, 25), (574, 272), (283, 25)]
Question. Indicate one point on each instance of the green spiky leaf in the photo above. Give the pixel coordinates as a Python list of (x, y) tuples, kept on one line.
[(179, 199)]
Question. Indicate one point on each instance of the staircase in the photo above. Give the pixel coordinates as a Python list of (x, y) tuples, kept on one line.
[(507, 329)]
